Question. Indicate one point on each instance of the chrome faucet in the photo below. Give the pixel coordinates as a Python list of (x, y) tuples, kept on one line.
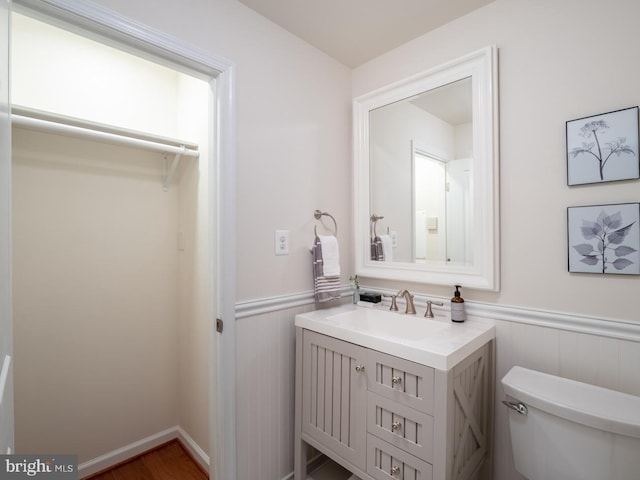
[(410, 308)]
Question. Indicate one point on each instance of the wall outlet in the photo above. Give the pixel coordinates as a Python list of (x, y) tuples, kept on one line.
[(394, 238), (282, 242)]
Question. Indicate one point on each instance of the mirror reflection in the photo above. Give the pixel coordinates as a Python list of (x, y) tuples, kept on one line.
[(421, 177)]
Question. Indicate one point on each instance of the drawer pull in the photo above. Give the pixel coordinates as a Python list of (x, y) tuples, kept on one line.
[(359, 368), (396, 426), (395, 470), (396, 380)]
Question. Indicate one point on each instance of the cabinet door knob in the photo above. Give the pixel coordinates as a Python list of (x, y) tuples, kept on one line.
[(359, 368), (396, 380), (395, 470), (396, 426)]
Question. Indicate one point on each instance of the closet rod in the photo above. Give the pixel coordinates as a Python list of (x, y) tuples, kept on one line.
[(83, 131)]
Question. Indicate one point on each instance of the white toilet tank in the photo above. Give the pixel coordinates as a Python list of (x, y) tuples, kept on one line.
[(571, 430)]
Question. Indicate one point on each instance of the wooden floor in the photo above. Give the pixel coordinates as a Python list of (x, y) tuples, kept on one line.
[(168, 462)]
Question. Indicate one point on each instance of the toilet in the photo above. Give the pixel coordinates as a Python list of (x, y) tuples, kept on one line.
[(567, 430)]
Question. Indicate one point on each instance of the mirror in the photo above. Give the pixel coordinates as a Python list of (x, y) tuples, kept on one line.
[(425, 179)]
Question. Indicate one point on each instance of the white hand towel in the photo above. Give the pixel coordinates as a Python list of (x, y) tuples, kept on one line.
[(325, 287), (330, 255), (387, 247)]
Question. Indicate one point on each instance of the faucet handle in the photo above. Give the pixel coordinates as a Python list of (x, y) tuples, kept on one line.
[(394, 305), (429, 312)]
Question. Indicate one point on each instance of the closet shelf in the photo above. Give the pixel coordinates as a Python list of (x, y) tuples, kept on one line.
[(55, 123)]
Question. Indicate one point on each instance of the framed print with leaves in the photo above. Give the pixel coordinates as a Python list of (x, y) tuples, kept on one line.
[(603, 148), (604, 239)]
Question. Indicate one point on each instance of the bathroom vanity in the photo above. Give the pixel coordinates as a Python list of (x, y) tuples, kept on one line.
[(392, 396)]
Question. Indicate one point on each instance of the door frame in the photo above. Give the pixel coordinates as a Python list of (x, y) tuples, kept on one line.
[(6, 337), (220, 73)]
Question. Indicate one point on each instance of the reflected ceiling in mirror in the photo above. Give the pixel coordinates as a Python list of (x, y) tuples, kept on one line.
[(425, 176)]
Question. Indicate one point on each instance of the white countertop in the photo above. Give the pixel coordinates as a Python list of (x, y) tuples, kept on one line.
[(436, 342)]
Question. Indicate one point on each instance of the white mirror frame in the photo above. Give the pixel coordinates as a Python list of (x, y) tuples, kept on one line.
[(484, 273)]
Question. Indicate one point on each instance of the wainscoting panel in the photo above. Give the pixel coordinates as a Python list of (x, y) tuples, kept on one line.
[(596, 359), (603, 352), (265, 369)]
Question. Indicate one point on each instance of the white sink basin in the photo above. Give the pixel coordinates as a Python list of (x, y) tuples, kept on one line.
[(438, 343), (387, 324)]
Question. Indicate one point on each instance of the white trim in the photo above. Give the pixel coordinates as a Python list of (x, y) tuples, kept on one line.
[(107, 24), (573, 322), (129, 451), (121, 454), (100, 21), (194, 449), (261, 306), (222, 417), (4, 374), (484, 273)]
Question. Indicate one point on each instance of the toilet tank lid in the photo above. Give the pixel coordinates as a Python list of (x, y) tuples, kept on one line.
[(590, 405)]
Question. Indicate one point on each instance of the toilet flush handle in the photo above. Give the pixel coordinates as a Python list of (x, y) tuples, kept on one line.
[(519, 407)]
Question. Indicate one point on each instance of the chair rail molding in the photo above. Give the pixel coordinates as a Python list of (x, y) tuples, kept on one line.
[(573, 322)]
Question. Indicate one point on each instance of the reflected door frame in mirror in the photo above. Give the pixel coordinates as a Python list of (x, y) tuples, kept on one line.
[(483, 273)]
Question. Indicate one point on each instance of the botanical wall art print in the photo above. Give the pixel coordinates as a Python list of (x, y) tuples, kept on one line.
[(604, 239), (603, 148)]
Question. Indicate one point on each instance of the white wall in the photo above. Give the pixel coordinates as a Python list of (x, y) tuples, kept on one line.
[(293, 145), (195, 289), (57, 71), (293, 136), (555, 64), (95, 301), (293, 156)]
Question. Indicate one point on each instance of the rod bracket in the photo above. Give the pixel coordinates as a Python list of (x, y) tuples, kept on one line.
[(169, 171)]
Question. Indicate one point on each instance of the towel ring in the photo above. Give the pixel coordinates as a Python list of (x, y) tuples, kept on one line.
[(374, 223), (318, 214)]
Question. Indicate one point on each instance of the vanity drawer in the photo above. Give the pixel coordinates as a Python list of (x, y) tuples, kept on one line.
[(400, 380), (386, 462), (401, 426)]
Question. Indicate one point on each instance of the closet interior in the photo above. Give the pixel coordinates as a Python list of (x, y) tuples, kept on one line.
[(112, 281)]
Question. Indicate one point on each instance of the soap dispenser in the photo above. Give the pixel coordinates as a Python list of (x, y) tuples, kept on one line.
[(457, 307)]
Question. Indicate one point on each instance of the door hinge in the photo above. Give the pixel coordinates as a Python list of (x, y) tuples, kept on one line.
[(219, 325)]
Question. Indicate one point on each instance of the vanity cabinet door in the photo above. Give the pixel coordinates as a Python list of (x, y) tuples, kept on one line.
[(334, 395)]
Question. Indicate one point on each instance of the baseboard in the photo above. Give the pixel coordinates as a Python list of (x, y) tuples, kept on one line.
[(194, 449), (122, 454)]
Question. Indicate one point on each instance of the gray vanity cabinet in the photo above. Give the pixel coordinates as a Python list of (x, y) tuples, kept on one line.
[(385, 418)]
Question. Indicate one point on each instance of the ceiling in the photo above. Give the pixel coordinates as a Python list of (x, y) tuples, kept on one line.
[(450, 103), (355, 31)]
